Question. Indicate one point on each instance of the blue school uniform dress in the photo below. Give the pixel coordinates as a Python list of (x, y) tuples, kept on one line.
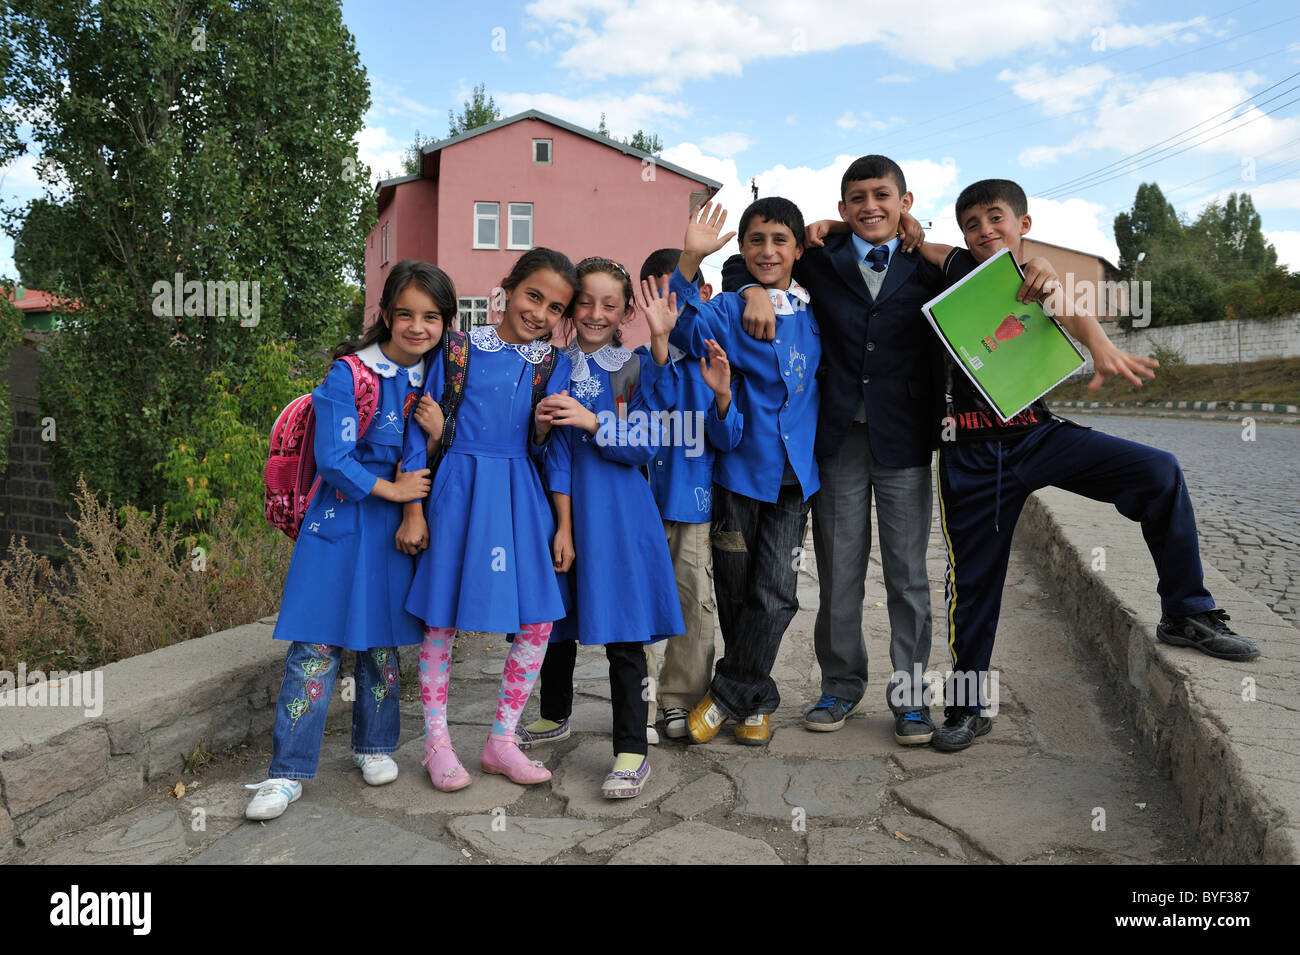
[(347, 580), (488, 565), (622, 587)]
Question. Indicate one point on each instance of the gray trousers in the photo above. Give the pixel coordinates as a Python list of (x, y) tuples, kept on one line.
[(842, 538)]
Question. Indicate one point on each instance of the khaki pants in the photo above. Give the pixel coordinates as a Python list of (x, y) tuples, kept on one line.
[(688, 658)]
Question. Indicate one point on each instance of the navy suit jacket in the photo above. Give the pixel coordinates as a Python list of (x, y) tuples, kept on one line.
[(879, 351)]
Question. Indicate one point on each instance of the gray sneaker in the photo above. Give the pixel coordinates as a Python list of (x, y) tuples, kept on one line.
[(829, 714), (1209, 633), (913, 728)]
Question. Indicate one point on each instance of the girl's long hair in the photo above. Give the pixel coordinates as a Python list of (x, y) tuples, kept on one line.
[(425, 276)]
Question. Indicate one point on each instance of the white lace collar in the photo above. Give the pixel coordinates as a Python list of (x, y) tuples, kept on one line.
[(789, 301), (485, 338), (609, 356), (373, 357)]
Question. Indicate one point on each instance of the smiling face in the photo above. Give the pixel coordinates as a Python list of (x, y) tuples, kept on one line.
[(535, 307), (769, 250), (872, 208), (598, 310), (988, 229), (416, 326)]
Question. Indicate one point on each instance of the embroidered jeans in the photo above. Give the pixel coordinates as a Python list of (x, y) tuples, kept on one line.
[(310, 672)]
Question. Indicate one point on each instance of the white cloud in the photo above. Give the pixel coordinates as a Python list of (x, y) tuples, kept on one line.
[(379, 150), (848, 121), (852, 120), (1132, 116), (389, 100), (726, 144), (697, 41), (1057, 93), (1120, 36), (1075, 224), (21, 174), (895, 78), (624, 115), (1281, 195), (1287, 243)]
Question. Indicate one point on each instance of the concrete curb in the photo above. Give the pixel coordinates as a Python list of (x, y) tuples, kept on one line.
[(62, 770), (1185, 406), (1226, 733)]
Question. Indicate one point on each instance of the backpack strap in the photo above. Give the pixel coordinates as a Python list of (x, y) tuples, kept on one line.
[(365, 391), (541, 378), (455, 368), (625, 381)]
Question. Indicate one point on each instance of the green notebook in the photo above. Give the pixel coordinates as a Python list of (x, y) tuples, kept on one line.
[(1014, 353)]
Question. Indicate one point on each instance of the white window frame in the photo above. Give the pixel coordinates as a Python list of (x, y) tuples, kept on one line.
[(512, 218), (496, 224), (473, 312), (550, 152), (383, 244)]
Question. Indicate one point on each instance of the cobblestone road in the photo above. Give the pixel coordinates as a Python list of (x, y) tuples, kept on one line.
[(1246, 493)]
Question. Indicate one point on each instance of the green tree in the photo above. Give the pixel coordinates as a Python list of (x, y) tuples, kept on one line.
[(480, 110), (1228, 237), (646, 142), (211, 140), (1151, 226), (11, 333), (411, 158)]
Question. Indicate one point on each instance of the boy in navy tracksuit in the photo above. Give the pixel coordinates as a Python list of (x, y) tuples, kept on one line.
[(987, 469), (681, 478)]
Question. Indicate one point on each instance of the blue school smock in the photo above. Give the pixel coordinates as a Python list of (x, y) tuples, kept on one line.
[(347, 580), (681, 476), (777, 390), (621, 588), (488, 565)]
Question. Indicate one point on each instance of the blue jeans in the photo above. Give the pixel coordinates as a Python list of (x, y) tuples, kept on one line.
[(310, 671)]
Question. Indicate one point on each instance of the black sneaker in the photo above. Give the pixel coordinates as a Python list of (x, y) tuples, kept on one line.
[(1209, 633), (829, 713), (960, 727), (913, 728)]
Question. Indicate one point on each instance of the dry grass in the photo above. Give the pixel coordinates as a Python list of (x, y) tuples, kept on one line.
[(1274, 380), (133, 584)]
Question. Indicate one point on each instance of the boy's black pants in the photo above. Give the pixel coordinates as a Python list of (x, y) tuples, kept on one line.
[(628, 691), (982, 489)]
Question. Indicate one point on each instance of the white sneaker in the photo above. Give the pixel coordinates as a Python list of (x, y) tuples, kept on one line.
[(273, 798), (675, 722), (376, 768), (651, 735)]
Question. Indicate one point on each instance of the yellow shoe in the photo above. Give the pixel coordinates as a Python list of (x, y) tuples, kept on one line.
[(705, 720), (753, 731)]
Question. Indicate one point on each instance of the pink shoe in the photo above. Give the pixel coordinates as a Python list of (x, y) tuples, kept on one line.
[(501, 755), (445, 771)]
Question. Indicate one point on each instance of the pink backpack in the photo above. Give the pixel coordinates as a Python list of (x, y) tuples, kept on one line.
[(290, 474)]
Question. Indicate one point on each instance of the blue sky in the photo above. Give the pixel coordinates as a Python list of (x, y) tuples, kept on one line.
[(1079, 102)]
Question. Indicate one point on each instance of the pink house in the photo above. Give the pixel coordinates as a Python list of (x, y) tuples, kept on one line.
[(483, 197)]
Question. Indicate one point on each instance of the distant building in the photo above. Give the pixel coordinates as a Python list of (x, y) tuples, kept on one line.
[(37, 308), (1080, 271), (483, 197)]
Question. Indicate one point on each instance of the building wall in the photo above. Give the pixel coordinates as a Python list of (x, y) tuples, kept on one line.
[(591, 200), (411, 217), (1217, 343), (1074, 268)]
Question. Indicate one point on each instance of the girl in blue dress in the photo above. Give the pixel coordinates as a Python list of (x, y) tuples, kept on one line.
[(496, 547), (623, 589), (347, 580)]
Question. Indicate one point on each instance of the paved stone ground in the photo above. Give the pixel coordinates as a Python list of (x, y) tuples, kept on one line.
[(1246, 495), (1057, 765)]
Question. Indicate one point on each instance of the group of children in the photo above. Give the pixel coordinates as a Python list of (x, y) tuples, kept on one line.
[(523, 507)]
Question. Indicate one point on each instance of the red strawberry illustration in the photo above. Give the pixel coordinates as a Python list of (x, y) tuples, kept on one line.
[(1010, 328)]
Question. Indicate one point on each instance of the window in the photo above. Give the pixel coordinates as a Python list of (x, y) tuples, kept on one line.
[(521, 225), (487, 222), (383, 244), (542, 152), (473, 312)]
